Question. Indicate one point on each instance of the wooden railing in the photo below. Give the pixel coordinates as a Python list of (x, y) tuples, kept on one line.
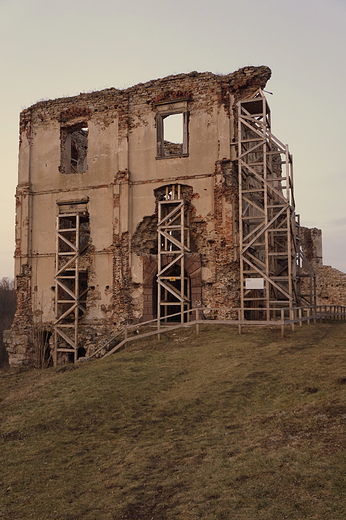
[(205, 315)]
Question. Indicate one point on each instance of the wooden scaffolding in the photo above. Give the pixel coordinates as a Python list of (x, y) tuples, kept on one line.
[(271, 259), (173, 243), (72, 237)]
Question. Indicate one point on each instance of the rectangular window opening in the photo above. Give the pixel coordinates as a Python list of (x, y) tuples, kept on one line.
[(74, 149), (172, 133)]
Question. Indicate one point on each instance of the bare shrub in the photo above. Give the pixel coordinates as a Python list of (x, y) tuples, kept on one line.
[(40, 340), (7, 311)]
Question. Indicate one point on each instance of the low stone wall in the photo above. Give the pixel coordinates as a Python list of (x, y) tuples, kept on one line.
[(330, 286)]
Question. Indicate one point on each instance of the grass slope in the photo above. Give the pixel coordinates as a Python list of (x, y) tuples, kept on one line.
[(215, 426)]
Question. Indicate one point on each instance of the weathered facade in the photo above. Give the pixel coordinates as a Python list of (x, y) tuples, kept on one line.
[(108, 200)]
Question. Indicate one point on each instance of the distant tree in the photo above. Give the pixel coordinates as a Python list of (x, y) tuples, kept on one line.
[(7, 310)]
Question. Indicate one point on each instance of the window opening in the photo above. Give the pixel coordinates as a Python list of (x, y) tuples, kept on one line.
[(172, 133), (74, 149)]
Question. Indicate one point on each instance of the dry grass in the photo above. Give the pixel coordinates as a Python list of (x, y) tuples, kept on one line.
[(215, 426)]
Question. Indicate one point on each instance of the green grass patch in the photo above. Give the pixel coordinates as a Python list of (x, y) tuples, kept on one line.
[(214, 426)]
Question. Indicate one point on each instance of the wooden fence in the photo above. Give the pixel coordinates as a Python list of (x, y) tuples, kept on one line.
[(202, 315)]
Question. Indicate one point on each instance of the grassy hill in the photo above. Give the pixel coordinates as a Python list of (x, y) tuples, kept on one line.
[(215, 426)]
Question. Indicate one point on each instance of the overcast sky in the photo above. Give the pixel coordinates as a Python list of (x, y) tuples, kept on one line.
[(56, 48)]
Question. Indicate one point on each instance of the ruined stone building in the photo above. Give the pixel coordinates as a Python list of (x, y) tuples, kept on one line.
[(330, 282), (150, 201)]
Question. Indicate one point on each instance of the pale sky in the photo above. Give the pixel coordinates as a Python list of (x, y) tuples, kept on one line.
[(56, 48)]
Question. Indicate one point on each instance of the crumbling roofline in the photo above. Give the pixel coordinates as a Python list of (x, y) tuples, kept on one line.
[(236, 80)]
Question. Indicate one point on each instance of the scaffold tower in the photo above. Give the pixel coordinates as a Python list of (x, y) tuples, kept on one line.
[(173, 244), (271, 260), (72, 237)]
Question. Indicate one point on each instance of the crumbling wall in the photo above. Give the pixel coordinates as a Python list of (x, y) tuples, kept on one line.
[(121, 148), (330, 282), (123, 307), (222, 289), (330, 286), (144, 240), (212, 265), (20, 346), (311, 243), (170, 149)]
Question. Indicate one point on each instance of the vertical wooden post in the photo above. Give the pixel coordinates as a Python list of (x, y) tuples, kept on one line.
[(197, 320), (55, 350), (158, 327), (292, 316), (239, 321)]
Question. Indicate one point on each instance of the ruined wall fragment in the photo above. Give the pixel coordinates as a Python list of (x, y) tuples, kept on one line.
[(119, 175)]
